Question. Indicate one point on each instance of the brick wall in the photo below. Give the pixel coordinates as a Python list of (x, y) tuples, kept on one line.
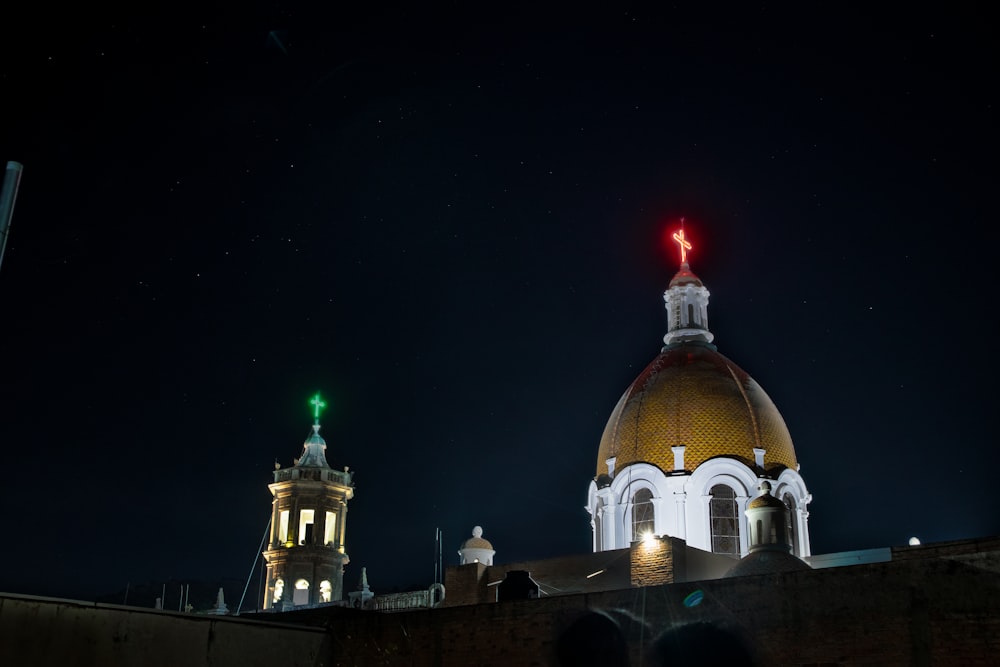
[(465, 584), (652, 562), (666, 560), (941, 609), (929, 612), (555, 576)]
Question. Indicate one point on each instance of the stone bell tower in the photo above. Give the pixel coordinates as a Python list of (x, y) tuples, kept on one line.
[(305, 555)]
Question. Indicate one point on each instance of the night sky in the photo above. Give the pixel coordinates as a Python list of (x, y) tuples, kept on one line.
[(450, 224)]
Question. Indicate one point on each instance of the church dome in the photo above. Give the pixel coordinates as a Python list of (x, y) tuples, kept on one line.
[(477, 541), (685, 277), (765, 500), (476, 549), (692, 395), (313, 451)]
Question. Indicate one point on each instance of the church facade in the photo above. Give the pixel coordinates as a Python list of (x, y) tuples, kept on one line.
[(689, 442)]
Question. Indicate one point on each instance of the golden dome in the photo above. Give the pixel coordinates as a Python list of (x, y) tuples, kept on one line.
[(693, 396), (765, 499), (477, 541)]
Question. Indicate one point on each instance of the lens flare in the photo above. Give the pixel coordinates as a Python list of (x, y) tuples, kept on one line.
[(694, 599)]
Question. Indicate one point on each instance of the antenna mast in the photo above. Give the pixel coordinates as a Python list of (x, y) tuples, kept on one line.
[(437, 555), (7, 197)]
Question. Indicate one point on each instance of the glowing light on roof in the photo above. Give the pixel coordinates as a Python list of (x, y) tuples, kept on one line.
[(648, 538)]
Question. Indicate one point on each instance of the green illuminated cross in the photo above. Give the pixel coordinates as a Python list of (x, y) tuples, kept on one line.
[(318, 404)]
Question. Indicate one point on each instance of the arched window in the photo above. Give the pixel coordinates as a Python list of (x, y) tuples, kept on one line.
[(790, 522), (642, 514), (725, 523), (301, 595), (325, 591), (691, 320), (279, 590)]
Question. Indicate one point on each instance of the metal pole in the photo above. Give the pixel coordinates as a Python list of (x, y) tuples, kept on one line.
[(260, 549), (7, 197)]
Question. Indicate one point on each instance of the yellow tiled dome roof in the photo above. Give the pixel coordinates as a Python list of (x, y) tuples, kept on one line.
[(477, 541), (693, 396), (765, 499)]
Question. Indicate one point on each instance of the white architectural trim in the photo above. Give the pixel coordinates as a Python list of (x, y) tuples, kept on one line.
[(681, 503), (722, 471), (791, 482), (681, 302), (734, 474), (678, 457), (629, 482)]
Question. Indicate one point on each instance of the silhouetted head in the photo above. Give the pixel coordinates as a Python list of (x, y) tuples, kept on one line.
[(595, 638), (701, 643)]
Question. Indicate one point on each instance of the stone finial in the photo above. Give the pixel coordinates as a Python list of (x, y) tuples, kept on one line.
[(361, 598), (477, 531), (220, 604)]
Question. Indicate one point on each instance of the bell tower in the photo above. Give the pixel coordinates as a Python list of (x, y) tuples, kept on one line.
[(305, 555)]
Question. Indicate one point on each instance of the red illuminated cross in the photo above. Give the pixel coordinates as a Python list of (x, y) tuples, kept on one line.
[(683, 243)]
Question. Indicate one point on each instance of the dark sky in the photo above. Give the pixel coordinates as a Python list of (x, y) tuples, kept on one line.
[(449, 223)]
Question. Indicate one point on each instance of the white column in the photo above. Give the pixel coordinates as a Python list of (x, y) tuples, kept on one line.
[(680, 502), (343, 526), (610, 525), (661, 521), (275, 520), (699, 525), (741, 519), (678, 457), (803, 521)]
